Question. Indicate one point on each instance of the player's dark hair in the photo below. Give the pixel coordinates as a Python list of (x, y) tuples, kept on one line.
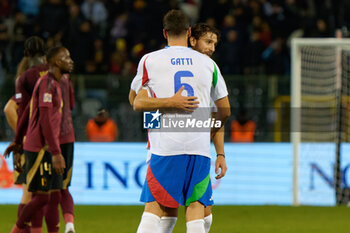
[(51, 54), (176, 23), (34, 46), (198, 30)]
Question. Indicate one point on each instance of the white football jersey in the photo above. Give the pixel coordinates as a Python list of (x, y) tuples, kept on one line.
[(136, 83), (163, 73)]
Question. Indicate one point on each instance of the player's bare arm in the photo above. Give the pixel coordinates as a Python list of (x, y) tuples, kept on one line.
[(132, 95), (10, 111), (143, 102), (224, 112), (218, 141)]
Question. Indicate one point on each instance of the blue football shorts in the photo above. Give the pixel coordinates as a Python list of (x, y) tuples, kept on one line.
[(178, 180)]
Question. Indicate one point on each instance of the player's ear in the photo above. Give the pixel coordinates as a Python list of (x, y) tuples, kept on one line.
[(165, 34), (57, 62), (193, 41)]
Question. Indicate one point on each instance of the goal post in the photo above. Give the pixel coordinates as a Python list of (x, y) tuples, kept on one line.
[(320, 74)]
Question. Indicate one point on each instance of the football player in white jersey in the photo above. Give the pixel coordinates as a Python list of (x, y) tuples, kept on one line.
[(168, 183), (204, 39)]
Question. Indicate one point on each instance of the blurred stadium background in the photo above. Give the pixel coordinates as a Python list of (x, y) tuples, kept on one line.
[(108, 37)]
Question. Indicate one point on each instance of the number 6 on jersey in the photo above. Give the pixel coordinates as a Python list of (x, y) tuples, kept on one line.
[(178, 84)]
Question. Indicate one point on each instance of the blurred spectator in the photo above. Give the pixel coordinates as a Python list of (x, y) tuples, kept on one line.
[(72, 29), (82, 45), (239, 11), (265, 33), (102, 128), (118, 57), (243, 129), (277, 20), (229, 23), (214, 9), (115, 8), (293, 15), (276, 58), (320, 29), (53, 18), (255, 8), (97, 64), (191, 9), (119, 27), (100, 56), (211, 22), (230, 54), (96, 12), (137, 51), (21, 30), (129, 68), (156, 10), (253, 59), (266, 7), (138, 23)]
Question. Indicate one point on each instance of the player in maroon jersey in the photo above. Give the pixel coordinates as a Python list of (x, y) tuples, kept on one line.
[(44, 128), (66, 139), (34, 51), (28, 72)]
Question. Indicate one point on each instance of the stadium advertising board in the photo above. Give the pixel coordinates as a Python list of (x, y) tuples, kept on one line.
[(259, 174)]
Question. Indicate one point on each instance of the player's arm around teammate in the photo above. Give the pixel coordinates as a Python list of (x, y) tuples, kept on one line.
[(143, 102)]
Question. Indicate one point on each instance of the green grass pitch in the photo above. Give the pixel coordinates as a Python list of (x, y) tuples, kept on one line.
[(227, 219)]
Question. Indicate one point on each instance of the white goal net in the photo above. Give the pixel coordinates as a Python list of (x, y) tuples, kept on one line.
[(319, 116)]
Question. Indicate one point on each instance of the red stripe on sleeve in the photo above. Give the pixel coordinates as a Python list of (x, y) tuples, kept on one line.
[(145, 73)]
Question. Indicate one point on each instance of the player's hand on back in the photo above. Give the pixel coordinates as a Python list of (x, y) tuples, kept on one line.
[(14, 148), (220, 167), (58, 163), (186, 103)]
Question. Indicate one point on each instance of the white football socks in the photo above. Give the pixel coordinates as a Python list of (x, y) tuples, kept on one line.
[(167, 224), (69, 227), (149, 223), (195, 226), (207, 222)]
